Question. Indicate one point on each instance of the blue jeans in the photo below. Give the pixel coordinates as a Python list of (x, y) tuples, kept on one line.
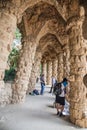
[(42, 89)]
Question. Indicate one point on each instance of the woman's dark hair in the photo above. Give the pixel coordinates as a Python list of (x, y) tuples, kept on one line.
[(65, 80)]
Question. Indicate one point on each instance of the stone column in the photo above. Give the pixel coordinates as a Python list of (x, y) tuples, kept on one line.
[(54, 67), (44, 69), (78, 69), (34, 72), (24, 70), (49, 72), (66, 61), (60, 67), (7, 30)]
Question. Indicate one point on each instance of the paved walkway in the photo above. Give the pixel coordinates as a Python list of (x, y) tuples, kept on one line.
[(35, 114)]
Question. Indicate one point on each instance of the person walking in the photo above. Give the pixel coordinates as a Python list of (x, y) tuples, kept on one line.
[(42, 81)]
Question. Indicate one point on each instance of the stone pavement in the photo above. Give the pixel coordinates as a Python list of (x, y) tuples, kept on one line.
[(36, 113)]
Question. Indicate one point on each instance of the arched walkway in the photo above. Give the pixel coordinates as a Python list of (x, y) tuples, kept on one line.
[(51, 30)]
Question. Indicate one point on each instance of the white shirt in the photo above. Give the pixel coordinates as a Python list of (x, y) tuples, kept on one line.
[(63, 92), (53, 81)]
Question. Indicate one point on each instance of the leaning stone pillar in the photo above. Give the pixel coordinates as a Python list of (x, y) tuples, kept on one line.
[(44, 69), (49, 72), (7, 30), (66, 61), (54, 67), (78, 69), (34, 72), (24, 70), (60, 67)]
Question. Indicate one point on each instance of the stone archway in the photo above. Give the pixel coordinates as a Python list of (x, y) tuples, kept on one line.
[(50, 45), (61, 9), (30, 13), (35, 17), (33, 21)]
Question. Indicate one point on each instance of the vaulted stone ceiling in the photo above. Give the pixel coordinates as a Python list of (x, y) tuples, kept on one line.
[(49, 45), (24, 4), (49, 39), (49, 53), (44, 23), (39, 14), (41, 18)]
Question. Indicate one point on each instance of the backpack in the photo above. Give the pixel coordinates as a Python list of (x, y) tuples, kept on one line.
[(35, 92), (58, 89)]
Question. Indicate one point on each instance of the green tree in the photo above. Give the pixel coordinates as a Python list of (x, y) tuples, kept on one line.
[(18, 34), (13, 58)]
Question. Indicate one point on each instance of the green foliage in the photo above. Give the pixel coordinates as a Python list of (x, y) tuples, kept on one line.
[(18, 34), (10, 75), (13, 58), (12, 61)]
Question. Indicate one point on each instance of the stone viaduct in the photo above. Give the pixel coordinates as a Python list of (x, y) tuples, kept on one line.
[(54, 35)]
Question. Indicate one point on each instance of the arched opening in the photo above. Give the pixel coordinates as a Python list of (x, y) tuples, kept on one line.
[(45, 27), (13, 57), (33, 20)]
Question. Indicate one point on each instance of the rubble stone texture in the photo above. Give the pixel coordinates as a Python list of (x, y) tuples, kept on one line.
[(78, 69), (66, 62), (5, 94), (44, 69), (24, 70), (60, 67), (49, 72), (35, 72), (59, 29), (54, 67), (7, 28)]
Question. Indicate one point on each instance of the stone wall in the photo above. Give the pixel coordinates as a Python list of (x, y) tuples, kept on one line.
[(5, 93)]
